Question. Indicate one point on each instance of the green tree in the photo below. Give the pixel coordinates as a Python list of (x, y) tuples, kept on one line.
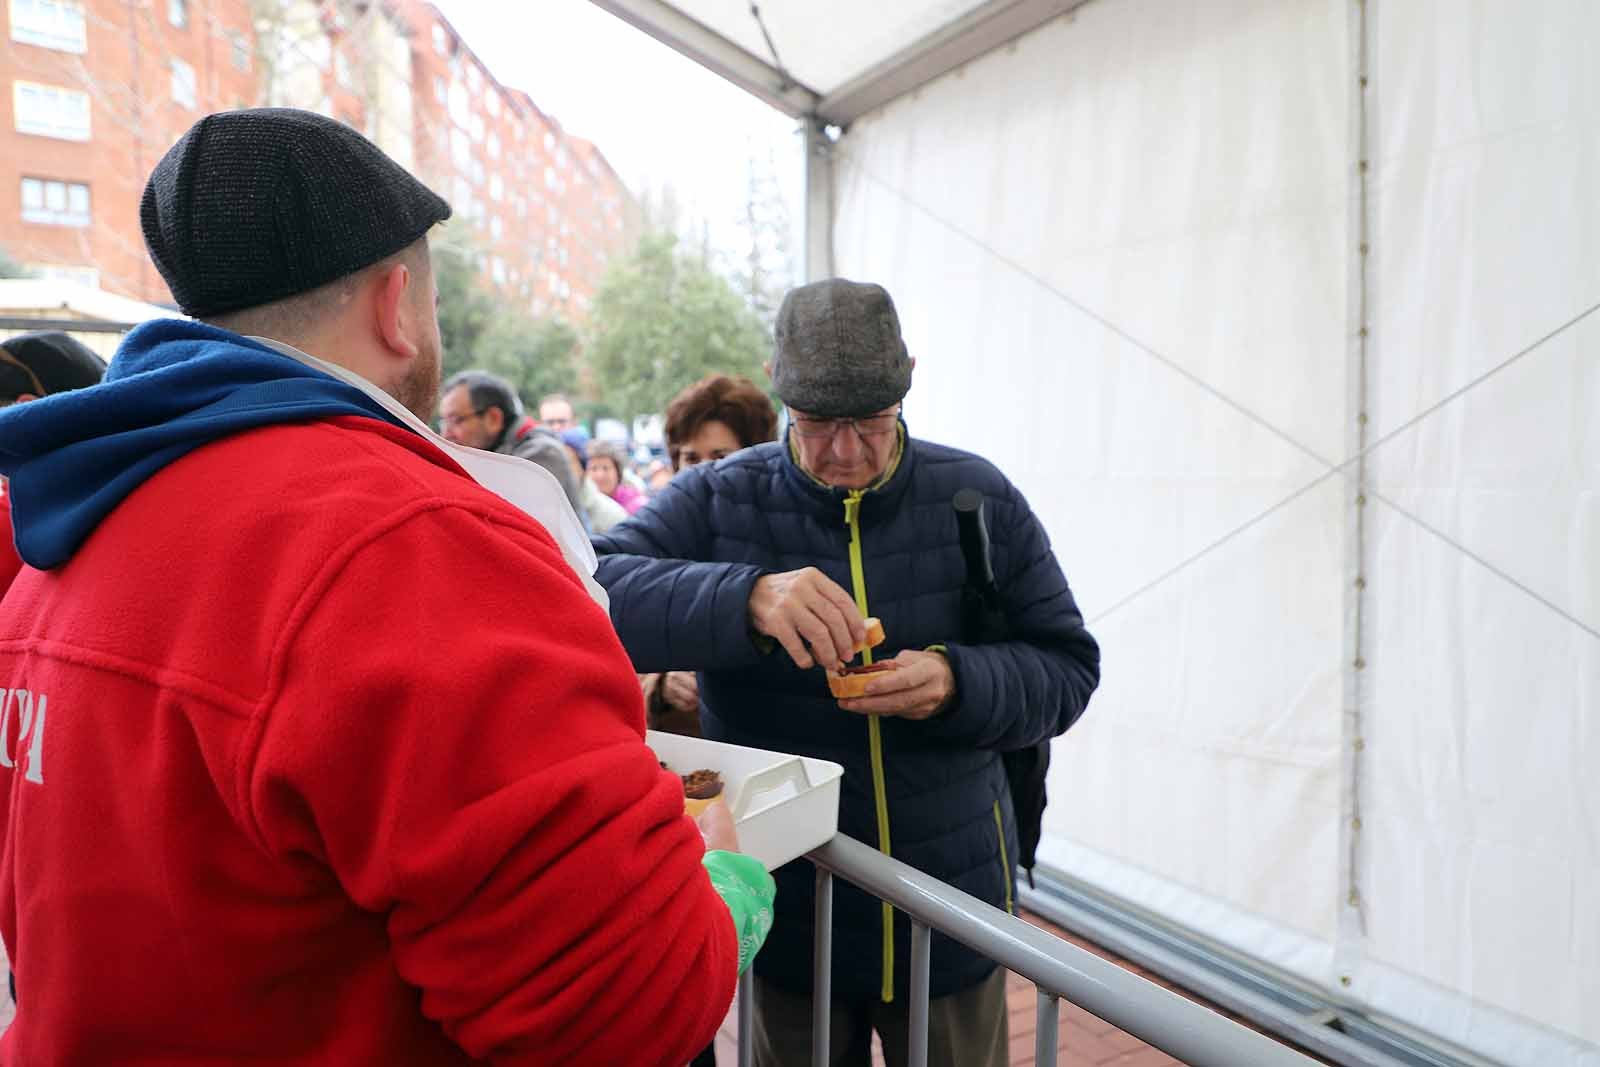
[(663, 320), (465, 307), (481, 331), (537, 356)]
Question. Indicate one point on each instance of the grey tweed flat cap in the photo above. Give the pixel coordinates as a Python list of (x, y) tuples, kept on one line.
[(839, 351)]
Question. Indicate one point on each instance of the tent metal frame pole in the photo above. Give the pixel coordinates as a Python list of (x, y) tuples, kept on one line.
[(985, 28), (819, 201), (1350, 934), (715, 52), (982, 30)]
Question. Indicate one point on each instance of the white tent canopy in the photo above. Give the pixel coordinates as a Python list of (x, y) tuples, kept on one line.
[(1279, 312)]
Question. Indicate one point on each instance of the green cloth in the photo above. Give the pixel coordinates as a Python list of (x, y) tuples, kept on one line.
[(748, 890)]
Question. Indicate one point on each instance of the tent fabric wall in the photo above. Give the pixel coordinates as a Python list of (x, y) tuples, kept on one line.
[(1482, 810), (1123, 251)]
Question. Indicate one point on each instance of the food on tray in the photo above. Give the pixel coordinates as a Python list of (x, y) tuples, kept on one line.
[(700, 788), (853, 681)]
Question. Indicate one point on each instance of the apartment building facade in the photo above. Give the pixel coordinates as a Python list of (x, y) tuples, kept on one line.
[(92, 92), (98, 89), (546, 209)]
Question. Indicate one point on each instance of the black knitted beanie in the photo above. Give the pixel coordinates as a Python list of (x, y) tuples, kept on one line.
[(253, 206)]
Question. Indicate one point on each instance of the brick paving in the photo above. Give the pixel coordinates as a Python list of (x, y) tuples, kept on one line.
[(1085, 1040)]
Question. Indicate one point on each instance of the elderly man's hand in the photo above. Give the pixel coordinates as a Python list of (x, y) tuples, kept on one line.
[(922, 687), (806, 607)]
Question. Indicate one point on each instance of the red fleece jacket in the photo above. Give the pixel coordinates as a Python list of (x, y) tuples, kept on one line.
[(10, 562), (318, 753)]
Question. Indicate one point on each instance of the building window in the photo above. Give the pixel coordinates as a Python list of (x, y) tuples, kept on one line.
[(341, 70), (178, 13), (497, 188), (241, 52), (460, 106), (492, 103), (55, 203), (54, 24), (475, 124), (441, 40), (440, 92), (549, 141), (494, 145), (474, 79), (184, 86), (51, 112), (498, 270), (461, 151), (495, 228), (549, 177), (57, 272)]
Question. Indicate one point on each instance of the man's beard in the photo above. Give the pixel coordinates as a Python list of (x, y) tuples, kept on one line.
[(418, 388)]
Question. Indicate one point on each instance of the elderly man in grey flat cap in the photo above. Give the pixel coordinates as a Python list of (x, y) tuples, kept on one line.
[(757, 572)]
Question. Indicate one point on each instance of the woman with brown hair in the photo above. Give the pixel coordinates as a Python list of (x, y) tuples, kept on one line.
[(713, 418)]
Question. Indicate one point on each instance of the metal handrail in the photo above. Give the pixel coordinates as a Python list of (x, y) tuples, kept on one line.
[(1194, 1034)]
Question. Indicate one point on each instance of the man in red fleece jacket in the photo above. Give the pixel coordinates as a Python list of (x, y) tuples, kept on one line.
[(312, 750)]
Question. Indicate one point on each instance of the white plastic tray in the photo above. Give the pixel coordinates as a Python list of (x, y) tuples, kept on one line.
[(783, 805)]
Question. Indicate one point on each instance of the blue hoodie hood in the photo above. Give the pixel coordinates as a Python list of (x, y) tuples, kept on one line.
[(172, 387)]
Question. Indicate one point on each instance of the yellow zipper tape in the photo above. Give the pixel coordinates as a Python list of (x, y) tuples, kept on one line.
[(1005, 864), (858, 578)]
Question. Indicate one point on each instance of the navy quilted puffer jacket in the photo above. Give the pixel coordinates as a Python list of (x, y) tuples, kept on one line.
[(680, 574)]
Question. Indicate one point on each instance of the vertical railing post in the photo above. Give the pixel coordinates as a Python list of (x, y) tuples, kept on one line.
[(1044, 1034), (822, 970), (747, 1017), (918, 1041)]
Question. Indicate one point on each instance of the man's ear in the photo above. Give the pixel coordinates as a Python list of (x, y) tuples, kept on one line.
[(494, 420), (396, 323)]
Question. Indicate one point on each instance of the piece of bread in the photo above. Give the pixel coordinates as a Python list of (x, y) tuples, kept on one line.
[(874, 634), (853, 682), (700, 790)]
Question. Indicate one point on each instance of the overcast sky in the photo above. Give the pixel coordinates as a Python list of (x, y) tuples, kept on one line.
[(658, 117)]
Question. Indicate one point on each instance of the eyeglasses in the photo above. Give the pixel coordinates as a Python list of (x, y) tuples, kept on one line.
[(865, 425), (450, 422)]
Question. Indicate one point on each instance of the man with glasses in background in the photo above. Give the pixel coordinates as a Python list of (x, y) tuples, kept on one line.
[(482, 410), (555, 413), (758, 570)]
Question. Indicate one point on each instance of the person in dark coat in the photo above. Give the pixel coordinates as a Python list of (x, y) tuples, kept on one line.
[(33, 365), (757, 571), (482, 410)]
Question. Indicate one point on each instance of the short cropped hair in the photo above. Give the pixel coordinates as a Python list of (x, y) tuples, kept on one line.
[(735, 402), (293, 318), (487, 391), (607, 450)]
